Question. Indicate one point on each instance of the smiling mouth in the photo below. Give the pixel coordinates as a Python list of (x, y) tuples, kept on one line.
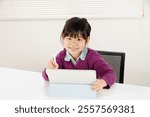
[(73, 49)]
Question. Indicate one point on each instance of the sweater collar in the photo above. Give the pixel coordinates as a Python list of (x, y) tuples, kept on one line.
[(82, 56)]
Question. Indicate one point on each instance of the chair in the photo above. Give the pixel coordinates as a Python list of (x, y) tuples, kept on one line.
[(117, 62)]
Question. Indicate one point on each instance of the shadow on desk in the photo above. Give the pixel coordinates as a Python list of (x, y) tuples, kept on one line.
[(70, 91), (116, 92)]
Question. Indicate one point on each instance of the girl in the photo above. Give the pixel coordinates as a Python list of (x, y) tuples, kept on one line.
[(76, 55)]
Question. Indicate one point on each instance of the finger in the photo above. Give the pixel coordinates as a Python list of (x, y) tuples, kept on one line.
[(94, 84), (51, 65), (55, 64), (94, 87), (97, 89)]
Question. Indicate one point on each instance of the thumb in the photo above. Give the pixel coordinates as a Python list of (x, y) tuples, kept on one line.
[(56, 65)]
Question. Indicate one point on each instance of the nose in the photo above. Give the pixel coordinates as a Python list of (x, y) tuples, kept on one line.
[(73, 41)]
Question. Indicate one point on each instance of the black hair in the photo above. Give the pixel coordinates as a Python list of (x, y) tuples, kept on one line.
[(76, 27)]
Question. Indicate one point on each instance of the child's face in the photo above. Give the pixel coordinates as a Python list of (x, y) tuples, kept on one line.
[(74, 45)]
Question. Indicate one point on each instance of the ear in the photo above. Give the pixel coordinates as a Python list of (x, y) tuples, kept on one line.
[(88, 39), (61, 41)]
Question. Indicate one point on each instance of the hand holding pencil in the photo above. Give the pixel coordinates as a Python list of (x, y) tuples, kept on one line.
[(52, 64)]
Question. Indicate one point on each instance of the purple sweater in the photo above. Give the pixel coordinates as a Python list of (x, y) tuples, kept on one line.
[(93, 61)]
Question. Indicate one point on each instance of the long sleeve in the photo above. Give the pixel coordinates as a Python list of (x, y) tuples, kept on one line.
[(103, 69), (45, 75)]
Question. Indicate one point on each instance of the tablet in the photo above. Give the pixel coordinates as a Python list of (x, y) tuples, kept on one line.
[(71, 76), (71, 91)]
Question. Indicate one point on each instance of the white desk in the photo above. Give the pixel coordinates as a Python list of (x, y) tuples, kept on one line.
[(19, 84)]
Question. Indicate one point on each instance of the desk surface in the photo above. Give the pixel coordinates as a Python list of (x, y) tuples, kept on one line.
[(20, 84)]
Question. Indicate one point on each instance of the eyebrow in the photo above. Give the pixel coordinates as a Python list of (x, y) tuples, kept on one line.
[(75, 36)]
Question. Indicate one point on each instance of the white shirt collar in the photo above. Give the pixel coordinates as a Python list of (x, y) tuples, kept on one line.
[(68, 57)]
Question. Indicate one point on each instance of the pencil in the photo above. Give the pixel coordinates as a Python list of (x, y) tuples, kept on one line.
[(54, 57)]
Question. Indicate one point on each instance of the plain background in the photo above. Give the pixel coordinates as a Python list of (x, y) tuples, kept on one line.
[(29, 44)]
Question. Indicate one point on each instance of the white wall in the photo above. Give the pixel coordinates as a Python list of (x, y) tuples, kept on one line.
[(29, 44)]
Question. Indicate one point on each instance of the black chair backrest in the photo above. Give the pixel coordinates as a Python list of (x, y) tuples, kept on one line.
[(117, 62)]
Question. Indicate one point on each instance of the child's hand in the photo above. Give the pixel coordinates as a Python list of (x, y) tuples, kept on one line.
[(52, 64), (99, 84)]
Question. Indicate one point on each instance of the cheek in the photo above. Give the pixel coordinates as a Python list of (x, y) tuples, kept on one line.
[(82, 45), (65, 43)]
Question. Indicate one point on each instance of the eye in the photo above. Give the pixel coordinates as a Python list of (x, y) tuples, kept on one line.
[(69, 38), (79, 39)]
